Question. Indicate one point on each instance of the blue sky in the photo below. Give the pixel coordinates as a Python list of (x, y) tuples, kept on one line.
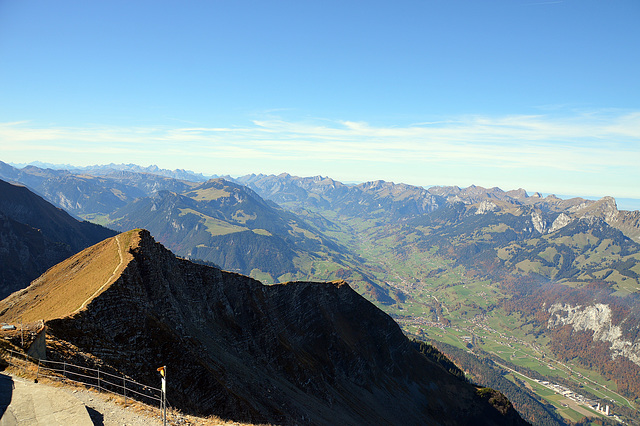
[(543, 95)]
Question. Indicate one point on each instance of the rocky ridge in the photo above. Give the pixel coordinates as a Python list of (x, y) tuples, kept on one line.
[(295, 353)]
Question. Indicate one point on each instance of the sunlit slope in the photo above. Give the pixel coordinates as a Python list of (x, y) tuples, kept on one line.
[(71, 285)]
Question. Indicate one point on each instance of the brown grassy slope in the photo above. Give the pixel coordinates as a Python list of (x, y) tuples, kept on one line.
[(70, 285)]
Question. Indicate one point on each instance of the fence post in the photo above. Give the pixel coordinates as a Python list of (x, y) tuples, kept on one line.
[(99, 387), (124, 386), (64, 369)]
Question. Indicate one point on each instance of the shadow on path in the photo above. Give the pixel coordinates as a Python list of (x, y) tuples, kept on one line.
[(6, 392), (96, 417)]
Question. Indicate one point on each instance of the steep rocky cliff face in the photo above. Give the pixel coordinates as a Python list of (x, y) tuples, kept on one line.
[(296, 353), (598, 319)]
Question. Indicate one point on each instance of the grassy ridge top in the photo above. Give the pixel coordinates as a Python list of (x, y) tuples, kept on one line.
[(70, 285)]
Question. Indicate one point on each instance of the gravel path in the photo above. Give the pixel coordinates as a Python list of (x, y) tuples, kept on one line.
[(109, 410)]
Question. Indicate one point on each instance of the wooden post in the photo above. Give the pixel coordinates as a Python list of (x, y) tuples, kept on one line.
[(124, 386)]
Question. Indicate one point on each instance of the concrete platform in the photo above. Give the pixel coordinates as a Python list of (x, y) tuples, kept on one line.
[(27, 403)]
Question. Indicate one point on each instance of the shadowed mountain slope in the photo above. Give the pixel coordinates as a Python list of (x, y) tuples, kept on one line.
[(35, 235), (295, 353)]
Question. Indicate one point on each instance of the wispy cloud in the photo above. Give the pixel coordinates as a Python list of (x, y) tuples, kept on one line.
[(509, 136), (585, 143)]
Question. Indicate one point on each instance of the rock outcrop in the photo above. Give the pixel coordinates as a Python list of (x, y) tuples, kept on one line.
[(487, 206), (596, 318), (560, 222), (295, 353), (538, 222)]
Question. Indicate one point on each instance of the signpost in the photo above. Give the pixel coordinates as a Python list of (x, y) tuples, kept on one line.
[(163, 397)]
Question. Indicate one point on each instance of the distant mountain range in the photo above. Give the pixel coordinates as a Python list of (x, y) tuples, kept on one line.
[(544, 263), (390, 201), (110, 168)]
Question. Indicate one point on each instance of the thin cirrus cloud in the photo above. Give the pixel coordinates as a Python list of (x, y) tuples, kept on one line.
[(535, 141), (506, 141)]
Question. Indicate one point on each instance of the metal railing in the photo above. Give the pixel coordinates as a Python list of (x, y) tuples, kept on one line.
[(96, 378)]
